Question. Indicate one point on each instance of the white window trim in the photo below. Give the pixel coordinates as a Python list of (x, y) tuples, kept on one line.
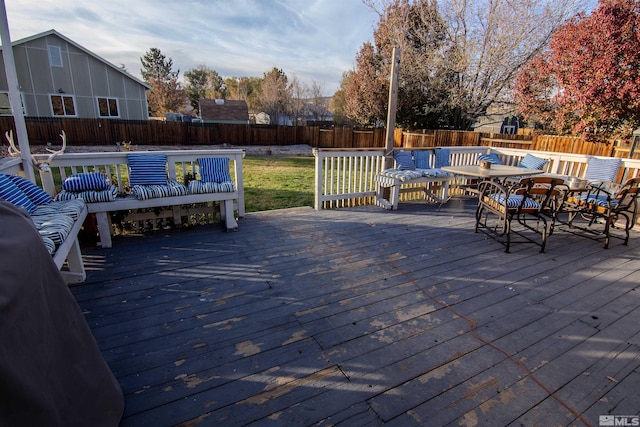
[(24, 112)]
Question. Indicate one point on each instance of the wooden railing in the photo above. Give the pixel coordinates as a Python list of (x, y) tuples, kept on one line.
[(345, 178)]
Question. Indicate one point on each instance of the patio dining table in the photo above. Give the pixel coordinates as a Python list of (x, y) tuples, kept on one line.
[(496, 171), (492, 173)]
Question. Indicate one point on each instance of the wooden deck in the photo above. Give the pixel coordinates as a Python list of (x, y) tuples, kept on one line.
[(366, 317)]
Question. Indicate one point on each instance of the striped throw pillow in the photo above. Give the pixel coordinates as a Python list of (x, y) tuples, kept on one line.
[(14, 195), (532, 162), (36, 194), (170, 189), (147, 169), (491, 157), (214, 169), (201, 187), (602, 169), (85, 182)]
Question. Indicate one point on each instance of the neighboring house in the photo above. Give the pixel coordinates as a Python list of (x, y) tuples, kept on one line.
[(60, 78), (223, 111)]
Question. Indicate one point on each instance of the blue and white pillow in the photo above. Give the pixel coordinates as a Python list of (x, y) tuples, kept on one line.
[(532, 162), (602, 169), (201, 187), (404, 161), (442, 157), (147, 169), (422, 158), (14, 195), (491, 157), (94, 181), (214, 169), (36, 194), (170, 189)]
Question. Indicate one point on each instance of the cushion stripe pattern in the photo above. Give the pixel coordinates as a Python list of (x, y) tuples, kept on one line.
[(172, 188), (602, 169), (90, 196), (14, 195), (514, 201), (36, 194), (71, 208), (491, 157), (532, 162), (85, 182), (434, 173), (55, 227), (214, 169), (401, 175), (147, 169), (422, 158), (49, 244), (200, 187), (442, 157), (404, 161)]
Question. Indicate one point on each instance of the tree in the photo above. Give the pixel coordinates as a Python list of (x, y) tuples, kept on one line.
[(203, 83), (458, 57), (166, 93), (244, 88), (588, 80), (273, 95)]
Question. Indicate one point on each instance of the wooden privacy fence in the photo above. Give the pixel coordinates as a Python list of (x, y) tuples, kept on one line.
[(83, 132)]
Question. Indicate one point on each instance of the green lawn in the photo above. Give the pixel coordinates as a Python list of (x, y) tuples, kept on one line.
[(278, 182)]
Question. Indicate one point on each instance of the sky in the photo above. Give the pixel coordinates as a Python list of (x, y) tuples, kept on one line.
[(313, 40)]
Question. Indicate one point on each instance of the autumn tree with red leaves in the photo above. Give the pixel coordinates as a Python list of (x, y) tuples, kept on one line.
[(588, 81), (458, 57)]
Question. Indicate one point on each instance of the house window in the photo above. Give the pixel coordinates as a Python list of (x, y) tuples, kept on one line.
[(55, 56), (63, 105), (5, 106), (108, 107)]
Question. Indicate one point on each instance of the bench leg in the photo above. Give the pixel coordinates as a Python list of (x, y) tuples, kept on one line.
[(76, 273), (394, 196), (226, 215), (104, 228)]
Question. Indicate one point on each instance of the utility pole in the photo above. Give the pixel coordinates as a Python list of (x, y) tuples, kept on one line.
[(14, 95), (392, 107)]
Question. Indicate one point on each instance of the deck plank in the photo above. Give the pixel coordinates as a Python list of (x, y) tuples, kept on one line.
[(363, 316)]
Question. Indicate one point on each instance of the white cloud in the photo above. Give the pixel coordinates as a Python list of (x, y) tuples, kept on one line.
[(314, 40)]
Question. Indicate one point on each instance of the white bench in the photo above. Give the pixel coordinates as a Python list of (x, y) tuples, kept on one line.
[(181, 165), (396, 182), (68, 251)]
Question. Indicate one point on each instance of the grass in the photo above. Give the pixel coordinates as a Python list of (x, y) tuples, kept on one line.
[(278, 182)]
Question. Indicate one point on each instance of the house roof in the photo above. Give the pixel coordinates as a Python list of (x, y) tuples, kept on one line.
[(224, 110), (85, 50)]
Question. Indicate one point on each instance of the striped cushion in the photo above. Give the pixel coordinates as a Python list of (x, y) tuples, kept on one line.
[(147, 169), (36, 194), (214, 169), (422, 158), (532, 162), (200, 187), (442, 157), (14, 195), (90, 196), (55, 226), (600, 200), (491, 157), (434, 173), (404, 161), (85, 182), (71, 208), (49, 244), (172, 188), (514, 200), (602, 169), (401, 175)]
